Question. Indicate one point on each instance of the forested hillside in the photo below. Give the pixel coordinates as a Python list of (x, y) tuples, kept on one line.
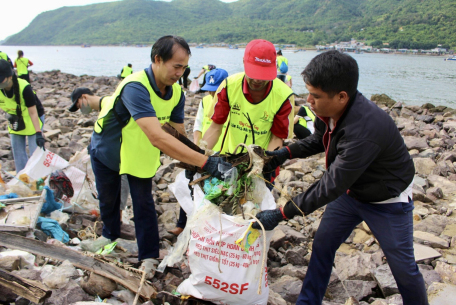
[(405, 23)]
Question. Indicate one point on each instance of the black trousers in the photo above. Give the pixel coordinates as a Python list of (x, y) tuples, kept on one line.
[(25, 77)]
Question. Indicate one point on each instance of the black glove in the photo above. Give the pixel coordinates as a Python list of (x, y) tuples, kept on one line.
[(280, 156), (212, 166), (189, 174), (269, 218), (40, 140)]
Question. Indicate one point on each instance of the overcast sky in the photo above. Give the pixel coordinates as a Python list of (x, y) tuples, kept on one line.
[(17, 15)]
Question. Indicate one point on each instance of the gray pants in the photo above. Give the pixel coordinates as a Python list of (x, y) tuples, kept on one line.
[(124, 191)]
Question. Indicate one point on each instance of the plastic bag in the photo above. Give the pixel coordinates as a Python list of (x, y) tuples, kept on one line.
[(194, 86), (41, 164), (58, 277), (242, 271)]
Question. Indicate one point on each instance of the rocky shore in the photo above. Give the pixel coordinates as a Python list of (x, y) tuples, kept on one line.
[(361, 271)]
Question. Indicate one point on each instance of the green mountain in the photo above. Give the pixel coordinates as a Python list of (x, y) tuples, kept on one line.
[(402, 23)]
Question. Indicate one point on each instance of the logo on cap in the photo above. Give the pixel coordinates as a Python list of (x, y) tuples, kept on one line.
[(211, 80), (265, 60)]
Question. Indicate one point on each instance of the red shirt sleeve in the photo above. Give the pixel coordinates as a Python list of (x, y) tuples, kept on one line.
[(221, 108), (281, 123)]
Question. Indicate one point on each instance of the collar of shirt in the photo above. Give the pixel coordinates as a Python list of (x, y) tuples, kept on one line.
[(169, 89), (248, 96)]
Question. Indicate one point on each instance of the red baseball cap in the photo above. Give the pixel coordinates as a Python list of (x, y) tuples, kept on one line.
[(260, 60)]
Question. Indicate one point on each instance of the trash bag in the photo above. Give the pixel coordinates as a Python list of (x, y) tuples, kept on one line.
[(61, 184), (194, 86), (209, 239)]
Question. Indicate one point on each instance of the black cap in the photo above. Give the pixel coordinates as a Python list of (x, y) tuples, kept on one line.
[(76, 95), (5, 70)]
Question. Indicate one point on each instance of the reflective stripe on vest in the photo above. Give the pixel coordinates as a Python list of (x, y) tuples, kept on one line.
[(21, 66), (9, 105), (207, 110), (126, 71), (309, 118), (261, 114)]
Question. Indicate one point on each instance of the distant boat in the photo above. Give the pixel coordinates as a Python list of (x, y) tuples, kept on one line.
[(85, 45), (300, 50), (232, 47), (451, 58), (199, 47)]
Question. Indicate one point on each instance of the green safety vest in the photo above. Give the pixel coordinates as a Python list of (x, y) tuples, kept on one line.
[(207, 121), (138, 157), (3, 55), (9, 105), (126, 71), (310, 114), (261, 114), (21, 65), (281, 59)]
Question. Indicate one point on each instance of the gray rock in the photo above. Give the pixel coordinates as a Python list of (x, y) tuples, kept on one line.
[(296, 256), (441, 294), (69, 294), (278, 238), (429, 274), (434, 224), (288, 287), (275, 299), (385, 280), (357, 266), (292, 235), (291, 270), (415, 143), (430, 239), (357, 288), (424, 166)]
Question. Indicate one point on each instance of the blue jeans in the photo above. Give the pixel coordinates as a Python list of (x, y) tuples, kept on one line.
[(18, 144), (391, 224), (146, 225)]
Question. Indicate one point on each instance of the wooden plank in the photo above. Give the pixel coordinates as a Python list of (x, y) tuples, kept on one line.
[(126, 278), (13, 200), (31, 290)]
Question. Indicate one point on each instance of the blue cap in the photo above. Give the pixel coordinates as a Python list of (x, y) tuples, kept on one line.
[(214, 78)]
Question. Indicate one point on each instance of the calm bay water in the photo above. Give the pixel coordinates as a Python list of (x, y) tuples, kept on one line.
[(411, 79)]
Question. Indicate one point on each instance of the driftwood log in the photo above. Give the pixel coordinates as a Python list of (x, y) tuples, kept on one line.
[(31, 290), (127, 278)]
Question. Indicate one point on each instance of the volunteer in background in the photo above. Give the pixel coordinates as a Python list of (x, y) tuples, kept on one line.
[(21, 64), (203, 71), (183, 80), (4, 56), (202, 122), (288, 81), (134, 114), (282, 66), (127, 70), (84, 99), (303, 121), (369, 178), (255, 101), (23, 111)]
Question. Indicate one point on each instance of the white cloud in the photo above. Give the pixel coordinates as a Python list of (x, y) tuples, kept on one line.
[(17, 15)]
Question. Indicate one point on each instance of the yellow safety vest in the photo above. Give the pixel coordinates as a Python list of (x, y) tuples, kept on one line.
[(207, 121), (9, 105), (21, 65), (310, 114), (126, 71), (261, 114), (281, 59), (138, 157), (3, 55)]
